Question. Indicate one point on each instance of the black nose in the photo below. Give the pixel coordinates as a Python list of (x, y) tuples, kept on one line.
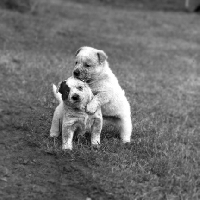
[(75, 97), (76, 72)]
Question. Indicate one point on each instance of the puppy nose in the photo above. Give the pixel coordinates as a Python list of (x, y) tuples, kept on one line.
[(76, 72), (75, 97)]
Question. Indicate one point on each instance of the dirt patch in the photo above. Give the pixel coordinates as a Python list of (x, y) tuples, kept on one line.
[(29, 171)]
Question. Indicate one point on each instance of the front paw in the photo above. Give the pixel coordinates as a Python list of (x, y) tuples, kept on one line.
[(54, 134), (66, 146), (91, 108)]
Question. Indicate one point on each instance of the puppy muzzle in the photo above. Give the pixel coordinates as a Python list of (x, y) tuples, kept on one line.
[(81, 74), (75, 97), (77, 73)]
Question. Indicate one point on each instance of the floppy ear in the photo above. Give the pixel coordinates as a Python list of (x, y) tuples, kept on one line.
[(77, 52), (58, 86), (64, 89), (101, 56)]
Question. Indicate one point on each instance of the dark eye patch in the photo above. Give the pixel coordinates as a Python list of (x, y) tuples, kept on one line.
[(64, 90)]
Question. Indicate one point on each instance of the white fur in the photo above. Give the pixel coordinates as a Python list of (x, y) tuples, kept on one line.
[(109, 96), (71, 116)]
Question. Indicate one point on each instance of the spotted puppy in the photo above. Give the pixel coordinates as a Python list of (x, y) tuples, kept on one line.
[(73, 96), (92, 67)]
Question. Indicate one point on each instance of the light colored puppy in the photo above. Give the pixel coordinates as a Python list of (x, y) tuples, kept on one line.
[(92, 67), (73, 96)]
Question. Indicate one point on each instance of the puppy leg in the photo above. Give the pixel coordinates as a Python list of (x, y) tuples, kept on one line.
[(55, 125), (96, 131), (125, 126), (67, 137), (97, 101)]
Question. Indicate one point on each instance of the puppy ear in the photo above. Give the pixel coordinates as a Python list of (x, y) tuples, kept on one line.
[(64, 89), (58, 86), (101, 56), (77, 52)]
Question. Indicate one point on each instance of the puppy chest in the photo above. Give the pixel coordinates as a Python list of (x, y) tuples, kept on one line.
[(85, 123), (88, 123)]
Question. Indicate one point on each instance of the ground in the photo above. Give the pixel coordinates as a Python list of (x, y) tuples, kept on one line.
[(154, 52)]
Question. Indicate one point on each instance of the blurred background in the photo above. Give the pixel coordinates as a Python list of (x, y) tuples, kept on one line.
[(170, 5)]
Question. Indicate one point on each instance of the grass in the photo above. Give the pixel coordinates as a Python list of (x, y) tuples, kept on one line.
[(153, 53)]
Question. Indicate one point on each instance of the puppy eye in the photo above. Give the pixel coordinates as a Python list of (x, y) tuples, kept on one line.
[(80, 88), (86, 65), (76, 63)]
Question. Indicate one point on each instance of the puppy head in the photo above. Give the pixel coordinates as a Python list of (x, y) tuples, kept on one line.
[(75, 93), (89, 63)]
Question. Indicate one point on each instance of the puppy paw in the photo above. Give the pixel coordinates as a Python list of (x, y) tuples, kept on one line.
[(126, 140), (67, 147), (91, 108), (54, 134)]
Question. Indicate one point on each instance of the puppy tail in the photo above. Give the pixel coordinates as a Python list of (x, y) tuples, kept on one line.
[(57, 95)]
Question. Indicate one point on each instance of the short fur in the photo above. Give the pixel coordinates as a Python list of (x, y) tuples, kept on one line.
[(92, 67), (73, 96)]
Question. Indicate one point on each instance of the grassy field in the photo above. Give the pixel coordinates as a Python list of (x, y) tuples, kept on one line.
[(153, 51)]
